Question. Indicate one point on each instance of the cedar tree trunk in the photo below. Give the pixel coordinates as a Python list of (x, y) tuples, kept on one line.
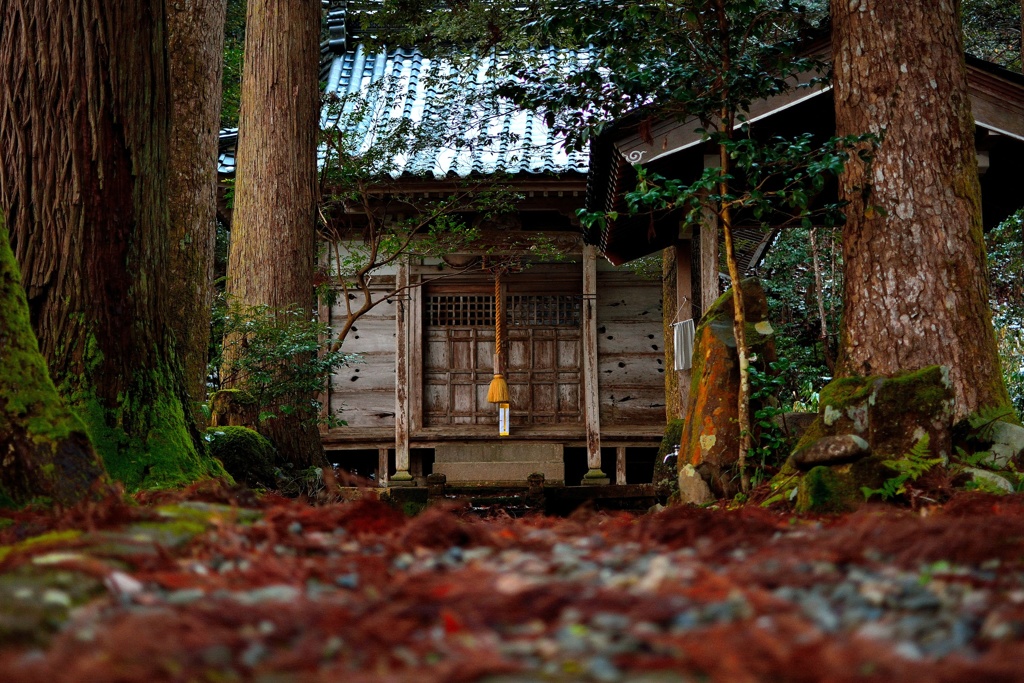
[(273, 231), (195, 42), (44, 450), (915, 290), (84, 124)]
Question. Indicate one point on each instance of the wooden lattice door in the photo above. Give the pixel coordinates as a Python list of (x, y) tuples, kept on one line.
[(543, 351)]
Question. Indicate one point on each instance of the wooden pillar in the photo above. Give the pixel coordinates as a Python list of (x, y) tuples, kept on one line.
[(402, 476), (708, 257), (591, 400), (620, 465), (382, 467), (685, 308), (670, 308)]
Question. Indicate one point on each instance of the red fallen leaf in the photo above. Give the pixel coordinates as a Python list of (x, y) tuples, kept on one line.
[(176, 580), (452, 624), (441, 591)]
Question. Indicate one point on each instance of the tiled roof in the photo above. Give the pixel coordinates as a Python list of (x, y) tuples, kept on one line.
[(492, 135), (482, 135)]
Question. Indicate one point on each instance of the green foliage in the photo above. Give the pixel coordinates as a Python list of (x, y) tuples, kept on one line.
[(234, 48), (280, 357), (789, 284), (774, 184), (908, 469), (1005, 246), (675, 70), (992, 30), (306, 483), (770, 447)]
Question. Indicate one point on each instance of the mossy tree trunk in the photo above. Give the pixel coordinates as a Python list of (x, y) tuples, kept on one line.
[(273, 232), (84, 125), (915, 291), (195, 43), (45, 452)]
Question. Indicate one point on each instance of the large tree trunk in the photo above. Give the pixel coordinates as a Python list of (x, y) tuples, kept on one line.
[(83, 166), (45, 450), (273, 232), (915, 291), (195, 42)]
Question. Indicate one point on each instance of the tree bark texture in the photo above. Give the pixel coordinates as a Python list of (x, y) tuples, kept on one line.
[(84, 122), (273, 233), (915, 290), (44, 448), (195, 45)]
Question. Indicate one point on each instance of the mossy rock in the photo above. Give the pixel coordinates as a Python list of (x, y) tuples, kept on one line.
[(838, 488), (247, 455), (890, 413), (710, 437)]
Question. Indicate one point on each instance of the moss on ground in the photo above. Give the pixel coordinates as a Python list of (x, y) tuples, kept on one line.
[(144, 437)]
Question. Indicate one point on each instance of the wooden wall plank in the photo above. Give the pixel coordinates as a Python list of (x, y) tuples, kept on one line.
[(630, 344)]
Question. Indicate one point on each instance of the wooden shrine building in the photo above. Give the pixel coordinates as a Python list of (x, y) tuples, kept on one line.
[(584, 351)]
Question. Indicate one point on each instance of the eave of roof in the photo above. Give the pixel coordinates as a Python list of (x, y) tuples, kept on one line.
[(997, 100)]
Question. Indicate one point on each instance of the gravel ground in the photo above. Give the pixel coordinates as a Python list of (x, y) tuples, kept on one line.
[(280, 591)]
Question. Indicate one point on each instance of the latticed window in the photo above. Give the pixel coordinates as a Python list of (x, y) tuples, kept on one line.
[(532, 310), (521, 310), (461, 311)]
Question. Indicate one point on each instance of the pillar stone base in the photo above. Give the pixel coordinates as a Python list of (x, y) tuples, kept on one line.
[(402, 478), (595, 478)]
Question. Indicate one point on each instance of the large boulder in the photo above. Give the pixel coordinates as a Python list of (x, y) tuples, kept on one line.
[(710, 438), (862, 422)]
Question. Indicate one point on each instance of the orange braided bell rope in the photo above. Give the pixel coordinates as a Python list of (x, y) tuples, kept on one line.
[(498, 391)]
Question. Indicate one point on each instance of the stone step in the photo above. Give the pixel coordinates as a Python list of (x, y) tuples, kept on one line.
[(514, 472)]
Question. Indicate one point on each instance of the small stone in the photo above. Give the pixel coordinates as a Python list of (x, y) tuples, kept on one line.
[(53, 596), (120, 583), (185, 597), (602, 670), (350, 581), (610, 621), (832, 450), (989, 480), (280, 593), (1007, 443), (253, 655), (692, 487)]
